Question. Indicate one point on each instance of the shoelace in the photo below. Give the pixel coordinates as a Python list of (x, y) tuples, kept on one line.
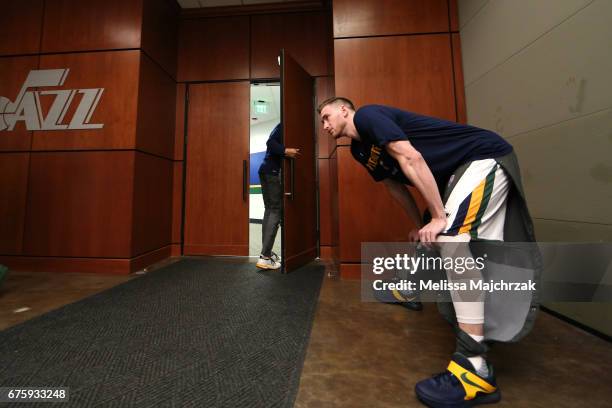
[(446, 379)]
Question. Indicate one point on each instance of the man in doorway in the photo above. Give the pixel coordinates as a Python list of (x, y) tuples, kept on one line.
[(272, 191), (475, 170)]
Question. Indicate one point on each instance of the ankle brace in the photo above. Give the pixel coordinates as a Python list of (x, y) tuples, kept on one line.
[(469, 347)]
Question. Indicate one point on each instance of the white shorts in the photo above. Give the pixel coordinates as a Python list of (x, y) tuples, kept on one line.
[(477, 204)]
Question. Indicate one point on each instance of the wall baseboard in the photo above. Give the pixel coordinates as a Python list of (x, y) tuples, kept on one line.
[(110, 266), (577, 324)]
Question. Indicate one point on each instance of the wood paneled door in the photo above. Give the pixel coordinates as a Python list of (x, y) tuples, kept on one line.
[(216, 199), (299, 175)]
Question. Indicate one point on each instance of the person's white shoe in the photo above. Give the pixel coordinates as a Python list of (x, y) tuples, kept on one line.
[(275, 257), (267, 263)]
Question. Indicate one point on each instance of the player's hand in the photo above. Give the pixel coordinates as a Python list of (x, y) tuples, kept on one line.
[(430, 232), (291, 152), (413, 235)]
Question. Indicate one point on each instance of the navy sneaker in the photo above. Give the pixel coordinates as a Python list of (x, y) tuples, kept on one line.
[(407, 300), (458, 386)]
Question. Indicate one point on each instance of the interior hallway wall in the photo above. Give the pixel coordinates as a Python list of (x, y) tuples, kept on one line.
[(90, 200), (403, 53), (538, 73), (260, 133), (327, 172)]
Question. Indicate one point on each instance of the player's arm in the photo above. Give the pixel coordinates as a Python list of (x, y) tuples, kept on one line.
[(277, 148), (416, 170), (401, 194)]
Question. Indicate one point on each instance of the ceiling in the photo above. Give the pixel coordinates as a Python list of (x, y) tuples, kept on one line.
[(187, 4)]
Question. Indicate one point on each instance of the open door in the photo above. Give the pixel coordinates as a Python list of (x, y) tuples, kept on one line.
[(299, 175)]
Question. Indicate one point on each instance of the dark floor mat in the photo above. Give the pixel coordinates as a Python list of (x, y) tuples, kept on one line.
[(200, 332)]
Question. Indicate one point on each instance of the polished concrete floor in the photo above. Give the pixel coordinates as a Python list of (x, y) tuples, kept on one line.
[(25, 295), (370, 354)]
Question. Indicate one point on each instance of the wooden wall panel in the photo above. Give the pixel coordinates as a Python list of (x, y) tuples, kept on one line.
[(329, 44), (13, 191), (365, 209), (13, 72), (156, 110), (388, 65), (67, 265), (76, 25), (160, 33), (325, 252), (305, 36), (453, 15), (383, 17), (152, 210), (80, 204), (350, 271), (179, 122), (409, 72), (214, 49), (177, 183), (216, 214), (20, 26), (459, 85), (177, 201), (324, 90), (333, 193), (325, 212), (114, 266), (117, 73), (140, 262)]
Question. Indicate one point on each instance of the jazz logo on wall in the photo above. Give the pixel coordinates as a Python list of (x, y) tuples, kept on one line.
[(27, 107)]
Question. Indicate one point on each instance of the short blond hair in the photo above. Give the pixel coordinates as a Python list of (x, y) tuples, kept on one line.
[(336, 100)]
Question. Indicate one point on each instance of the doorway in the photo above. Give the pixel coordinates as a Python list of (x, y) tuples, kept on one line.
[(221, 117), (265, 114)]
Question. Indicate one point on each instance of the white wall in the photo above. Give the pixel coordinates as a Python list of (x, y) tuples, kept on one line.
[(260, 133), (539, 73), (259, 136)]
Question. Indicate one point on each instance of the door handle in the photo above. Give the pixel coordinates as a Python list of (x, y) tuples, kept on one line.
[(291, 193), (244, 180)]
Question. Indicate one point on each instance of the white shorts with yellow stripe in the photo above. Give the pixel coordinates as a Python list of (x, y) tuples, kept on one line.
[(477, 204)]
